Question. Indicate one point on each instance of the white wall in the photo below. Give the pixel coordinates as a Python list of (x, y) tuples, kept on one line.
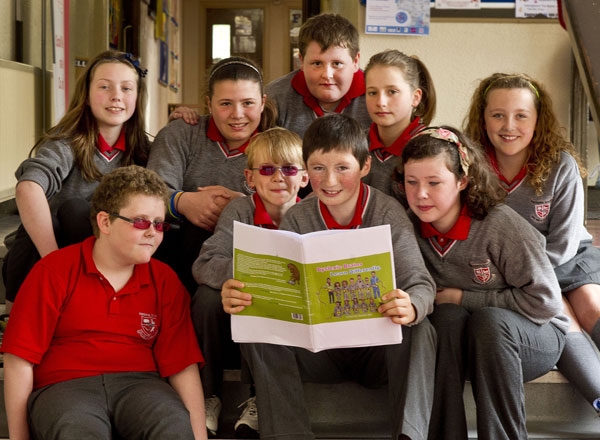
[(460, 54)]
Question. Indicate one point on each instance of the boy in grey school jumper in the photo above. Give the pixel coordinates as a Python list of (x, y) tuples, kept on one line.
[(336, 153), (329, 79), (276, 151)]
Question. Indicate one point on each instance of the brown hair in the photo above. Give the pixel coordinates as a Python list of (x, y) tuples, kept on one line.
[(336, 132), (548, 140), (328, 30), (238, 69), (415, 74), (78, 126), (483, 189), (115, 188), (280, 145)]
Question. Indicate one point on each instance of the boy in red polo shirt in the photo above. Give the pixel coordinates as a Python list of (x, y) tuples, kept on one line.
[(329, 79), (336, 154), (96, 326), (275, 170)]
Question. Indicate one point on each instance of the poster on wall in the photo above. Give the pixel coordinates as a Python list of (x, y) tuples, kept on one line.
[(458, 4), (397, 17), (536, 8), (163, 77), (60, 25)]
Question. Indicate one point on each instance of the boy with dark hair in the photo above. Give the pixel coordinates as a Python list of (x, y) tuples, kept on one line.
[(329, 79), (100, 323), (337, 157)]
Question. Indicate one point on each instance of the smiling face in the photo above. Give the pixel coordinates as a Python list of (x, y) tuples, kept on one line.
[(277, 192), (128, 245), (433, 191), (328, 74), (510, 119), (335, 179), (390, 99), (112, 95), (236, 108)]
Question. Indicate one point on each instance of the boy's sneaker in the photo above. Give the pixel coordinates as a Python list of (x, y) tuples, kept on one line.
[(247, 424), (212, 407)]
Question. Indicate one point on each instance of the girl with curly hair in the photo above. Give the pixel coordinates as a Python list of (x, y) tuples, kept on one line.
[(511, 117), (496, 315)]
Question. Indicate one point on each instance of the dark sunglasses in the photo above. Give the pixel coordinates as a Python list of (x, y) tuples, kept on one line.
[(286, 170), (142, 223)]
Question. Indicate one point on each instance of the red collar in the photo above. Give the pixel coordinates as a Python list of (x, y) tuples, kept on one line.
[(396, 148), (214, 134), (508, 186), (357, 88), (460, 230), (361, 204), (261, 216), (105, 148)]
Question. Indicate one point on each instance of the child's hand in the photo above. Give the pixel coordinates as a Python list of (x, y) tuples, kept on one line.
[(396, 304), (189, 115), (449, 295), (204, 207), (233, 300)]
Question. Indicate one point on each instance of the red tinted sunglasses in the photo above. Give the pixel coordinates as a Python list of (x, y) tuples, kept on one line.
[(142, 223), (286, 170)]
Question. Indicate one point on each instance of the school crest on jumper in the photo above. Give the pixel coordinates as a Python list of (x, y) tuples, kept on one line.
[(482, 272), (149, 326), (542, 210)]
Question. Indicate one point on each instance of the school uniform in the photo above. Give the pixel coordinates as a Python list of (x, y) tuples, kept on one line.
[(73, 326), (279, 371), (508, 329), (55, 169), (558, 213), (297, 107), (212, 268), (384, 159), (187, 157)]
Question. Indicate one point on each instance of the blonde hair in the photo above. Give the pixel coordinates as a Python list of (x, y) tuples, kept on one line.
[(415, 74), (548, 140), (280, 145), (79, 129)]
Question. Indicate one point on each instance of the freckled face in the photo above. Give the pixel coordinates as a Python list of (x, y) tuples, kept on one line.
[(433, 191)]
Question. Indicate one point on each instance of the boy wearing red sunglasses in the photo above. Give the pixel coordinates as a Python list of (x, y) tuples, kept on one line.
[(275, 170), (99, 323)]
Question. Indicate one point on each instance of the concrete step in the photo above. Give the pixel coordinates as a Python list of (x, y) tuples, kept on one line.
[(349, 411)]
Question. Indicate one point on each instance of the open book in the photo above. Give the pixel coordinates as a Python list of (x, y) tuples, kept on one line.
[(317, 291)]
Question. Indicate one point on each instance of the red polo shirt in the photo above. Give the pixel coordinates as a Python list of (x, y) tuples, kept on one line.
[(70, 323)]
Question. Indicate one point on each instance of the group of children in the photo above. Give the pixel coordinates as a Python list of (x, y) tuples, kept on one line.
[(468, 298)]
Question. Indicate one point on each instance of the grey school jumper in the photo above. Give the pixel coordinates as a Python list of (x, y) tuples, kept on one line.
[(55, 170), (296, 116), (186, 158), (279, 371), (214, 265), (558, 212), (508, 329)]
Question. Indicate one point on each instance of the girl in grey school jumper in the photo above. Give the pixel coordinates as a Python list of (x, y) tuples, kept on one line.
[(103, 129), (401, 100), (203, 164), (498, 307), (511, 116)]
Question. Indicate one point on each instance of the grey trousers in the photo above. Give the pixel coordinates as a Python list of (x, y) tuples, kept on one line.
[(213, 329), (279, 371), (137, 405), (500, 350)]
